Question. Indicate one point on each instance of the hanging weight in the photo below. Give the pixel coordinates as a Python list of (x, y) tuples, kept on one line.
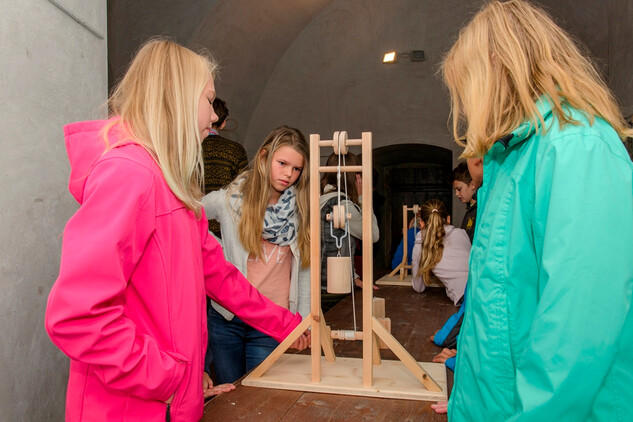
[(339, 278)]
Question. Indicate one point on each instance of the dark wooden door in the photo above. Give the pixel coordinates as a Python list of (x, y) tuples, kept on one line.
[(413, 184)]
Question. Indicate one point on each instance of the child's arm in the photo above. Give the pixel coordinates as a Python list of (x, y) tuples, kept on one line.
[(212, 203), (416, 281), (85, 316), (228, 287), (356, 222)]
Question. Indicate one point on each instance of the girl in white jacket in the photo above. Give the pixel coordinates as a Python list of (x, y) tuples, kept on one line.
[(263, 218), (440, 249)]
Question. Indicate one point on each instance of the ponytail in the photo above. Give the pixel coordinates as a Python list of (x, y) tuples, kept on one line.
[(434, 215)]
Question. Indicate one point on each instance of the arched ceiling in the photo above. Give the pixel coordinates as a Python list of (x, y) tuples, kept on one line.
[(315, 63), (249, 38)]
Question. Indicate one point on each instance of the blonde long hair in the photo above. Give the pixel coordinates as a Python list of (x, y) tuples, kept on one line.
[(157, 102), (434, 215), (255, 188), (508, 56)]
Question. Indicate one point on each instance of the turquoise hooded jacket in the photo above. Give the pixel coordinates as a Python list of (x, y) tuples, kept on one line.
[(548, 331)]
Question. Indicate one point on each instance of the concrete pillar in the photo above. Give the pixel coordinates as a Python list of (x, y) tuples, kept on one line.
[(52, 71)]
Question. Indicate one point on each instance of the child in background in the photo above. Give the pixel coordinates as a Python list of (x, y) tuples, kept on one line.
[(447, 336), (128, 307), (440, 249), (263, 218), (548, 325), (466, 191), (352, 203), (223, 158)]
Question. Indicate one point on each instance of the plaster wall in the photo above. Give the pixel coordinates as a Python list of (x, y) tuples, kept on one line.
[(621, 52), (332, 76), (53, 71), (132, 22)]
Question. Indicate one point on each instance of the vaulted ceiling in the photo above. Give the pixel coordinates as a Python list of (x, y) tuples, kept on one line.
[(315, 64)]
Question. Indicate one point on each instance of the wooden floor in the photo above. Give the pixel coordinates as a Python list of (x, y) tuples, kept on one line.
[(414, 318)]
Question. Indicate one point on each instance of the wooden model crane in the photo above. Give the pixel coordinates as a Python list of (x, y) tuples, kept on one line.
[(404, 378)]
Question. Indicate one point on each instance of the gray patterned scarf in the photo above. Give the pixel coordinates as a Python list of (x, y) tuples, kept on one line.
[(280, 219)]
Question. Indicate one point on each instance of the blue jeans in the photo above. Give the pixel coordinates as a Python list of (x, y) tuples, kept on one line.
[(237, 347)]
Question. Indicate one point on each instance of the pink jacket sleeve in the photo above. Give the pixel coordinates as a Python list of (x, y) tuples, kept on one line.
[(228, 287), (85, 317)]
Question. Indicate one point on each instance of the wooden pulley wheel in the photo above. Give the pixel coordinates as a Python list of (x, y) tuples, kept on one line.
[(339, 142), (335, 142), (338, 216), (342, 142), (416, 209)]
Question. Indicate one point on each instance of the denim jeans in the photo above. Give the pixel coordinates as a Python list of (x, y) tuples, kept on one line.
[(237, 347), (208, 357)]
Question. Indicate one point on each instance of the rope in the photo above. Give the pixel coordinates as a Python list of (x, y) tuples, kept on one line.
[(349, 244), (349, 238)]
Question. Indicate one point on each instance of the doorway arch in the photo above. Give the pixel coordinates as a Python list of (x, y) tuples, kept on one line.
[(406, 174)]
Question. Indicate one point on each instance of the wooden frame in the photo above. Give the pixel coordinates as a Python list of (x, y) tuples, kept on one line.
[(404, 277), (334, 376)]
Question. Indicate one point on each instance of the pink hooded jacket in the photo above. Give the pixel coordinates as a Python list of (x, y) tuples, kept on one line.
[(128, 307)]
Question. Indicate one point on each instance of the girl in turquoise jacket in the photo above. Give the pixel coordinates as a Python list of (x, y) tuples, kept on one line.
[(548, 330)]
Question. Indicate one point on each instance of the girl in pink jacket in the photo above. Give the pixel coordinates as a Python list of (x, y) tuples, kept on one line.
[(128, 307)]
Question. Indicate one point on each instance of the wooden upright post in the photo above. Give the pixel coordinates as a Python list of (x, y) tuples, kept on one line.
[(315, 258)]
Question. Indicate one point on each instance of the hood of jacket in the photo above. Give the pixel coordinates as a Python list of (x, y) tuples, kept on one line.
[(85, 144), (330, 192)]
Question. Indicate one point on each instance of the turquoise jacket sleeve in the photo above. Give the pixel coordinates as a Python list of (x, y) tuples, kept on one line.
[(583, 226)]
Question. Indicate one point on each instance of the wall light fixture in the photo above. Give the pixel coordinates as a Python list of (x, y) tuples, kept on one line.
[(390, 57), (414, 56)]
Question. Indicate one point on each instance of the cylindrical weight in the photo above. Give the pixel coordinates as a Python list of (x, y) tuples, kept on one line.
[(339, 278)]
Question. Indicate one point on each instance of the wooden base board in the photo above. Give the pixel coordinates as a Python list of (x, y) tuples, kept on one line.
[(392, 379), (394, 280)]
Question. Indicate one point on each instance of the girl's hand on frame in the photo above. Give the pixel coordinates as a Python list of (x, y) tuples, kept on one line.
[(444, 354), (440, 407), (209, 390), (302, 342)]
